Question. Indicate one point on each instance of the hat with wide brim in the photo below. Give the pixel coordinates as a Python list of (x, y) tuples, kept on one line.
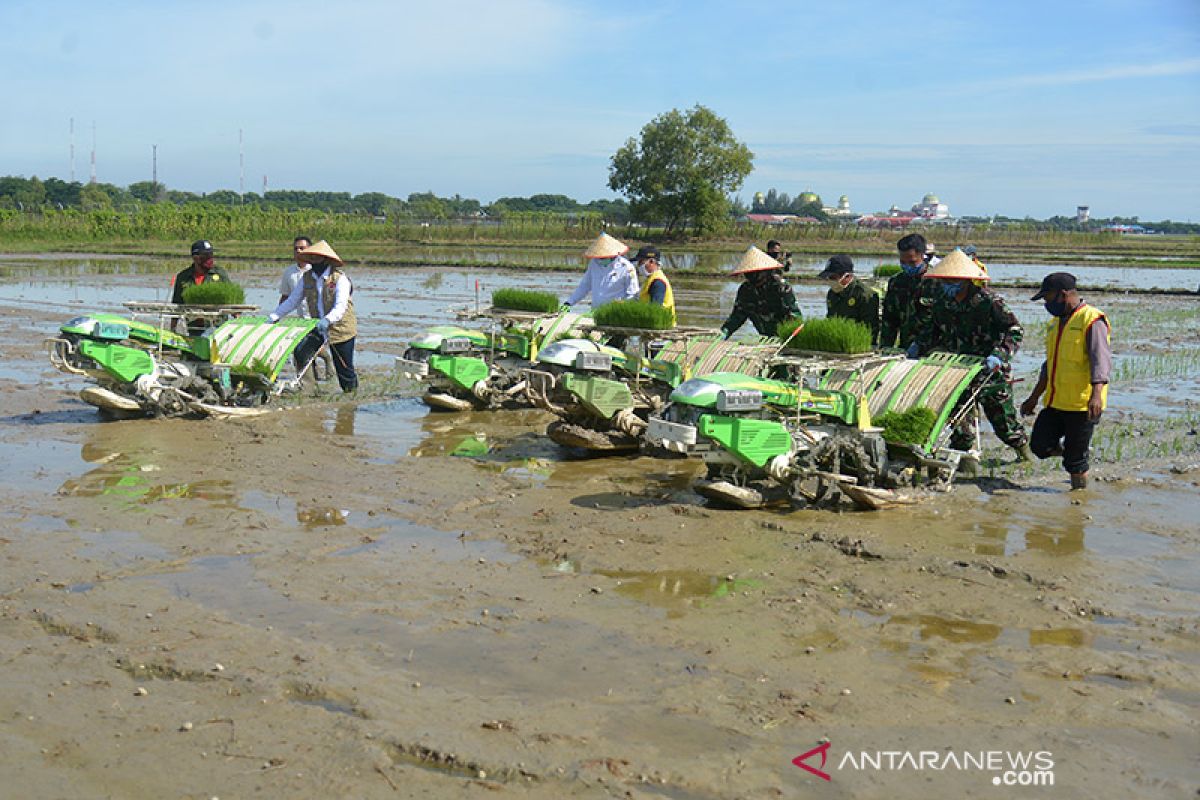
[(957, 266), (318, 251), (606, 246), (755, 260)]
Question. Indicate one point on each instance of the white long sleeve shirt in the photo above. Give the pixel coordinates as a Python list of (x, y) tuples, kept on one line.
[(331, 311), (292, 277), (607, 283)]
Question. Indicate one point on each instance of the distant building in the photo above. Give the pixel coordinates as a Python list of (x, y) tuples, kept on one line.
[(931, 207), (779, 219), (892, 218), (841, 210), (1082, 214)]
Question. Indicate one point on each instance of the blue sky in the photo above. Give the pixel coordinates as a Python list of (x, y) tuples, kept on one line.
[(998, 107)]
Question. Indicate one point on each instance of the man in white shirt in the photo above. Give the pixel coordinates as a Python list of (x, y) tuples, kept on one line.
[(292, 277), (328, 293), (609, 274)]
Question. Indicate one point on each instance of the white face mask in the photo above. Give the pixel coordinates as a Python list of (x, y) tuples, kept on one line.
[(645, 273), (836, 286)]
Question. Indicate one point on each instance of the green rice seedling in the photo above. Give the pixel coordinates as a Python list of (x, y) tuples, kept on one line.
[(787, 326), (525, 300), (907, 427), (886, 270), (633, 314), (829, 335), (214, 293)]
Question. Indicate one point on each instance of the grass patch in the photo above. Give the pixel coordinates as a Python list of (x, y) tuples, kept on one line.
[(887, 270), (525, 300), (214, 293), (633, 314), (829, 335), (908, 427)]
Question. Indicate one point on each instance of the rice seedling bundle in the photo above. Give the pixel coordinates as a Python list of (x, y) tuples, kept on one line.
[(887, 270), (633, 314), (907, 427), (525, 300), (214, 293), (829, 335)]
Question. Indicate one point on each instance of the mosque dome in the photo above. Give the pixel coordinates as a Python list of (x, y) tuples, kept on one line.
[(809, 197), (931, 199)]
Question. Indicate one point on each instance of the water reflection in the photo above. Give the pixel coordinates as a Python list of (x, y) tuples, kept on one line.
[(343, 421), (959, 631), (127, 476), (1059, 540), (675, 590)]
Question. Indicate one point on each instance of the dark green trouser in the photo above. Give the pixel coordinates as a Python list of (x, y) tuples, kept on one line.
[(997, 403)]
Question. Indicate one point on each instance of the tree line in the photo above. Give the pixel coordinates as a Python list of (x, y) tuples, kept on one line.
[(32, 194)]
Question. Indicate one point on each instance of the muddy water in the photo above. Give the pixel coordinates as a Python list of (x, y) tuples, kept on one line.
[(449, 605)]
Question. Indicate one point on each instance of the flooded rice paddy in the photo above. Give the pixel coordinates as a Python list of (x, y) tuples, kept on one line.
[(406, 602)]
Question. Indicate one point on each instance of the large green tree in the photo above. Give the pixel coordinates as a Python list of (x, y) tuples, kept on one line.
[(681, 170)]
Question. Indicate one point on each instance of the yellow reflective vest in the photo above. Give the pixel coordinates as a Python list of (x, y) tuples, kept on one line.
[(668, 298), (1068, 368)]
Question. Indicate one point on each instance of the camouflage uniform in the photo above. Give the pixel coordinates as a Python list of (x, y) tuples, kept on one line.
[(858, 302), (980, 326), (904, 306), (765, 305)]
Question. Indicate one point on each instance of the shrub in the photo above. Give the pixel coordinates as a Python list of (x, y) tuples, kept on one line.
[(633, 314), (214, 293), (829, 335), (910, 427), (887, 270), (525, 300)]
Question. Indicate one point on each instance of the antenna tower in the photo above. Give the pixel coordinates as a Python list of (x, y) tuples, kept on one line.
[(93, 177), (241, 168)]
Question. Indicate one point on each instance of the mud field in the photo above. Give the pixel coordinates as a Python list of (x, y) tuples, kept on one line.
[(342, 599)]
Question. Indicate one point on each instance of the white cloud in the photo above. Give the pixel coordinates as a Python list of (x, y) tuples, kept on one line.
[(1187, 66)]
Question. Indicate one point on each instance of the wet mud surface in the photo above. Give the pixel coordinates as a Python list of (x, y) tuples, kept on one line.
[(373, 600)]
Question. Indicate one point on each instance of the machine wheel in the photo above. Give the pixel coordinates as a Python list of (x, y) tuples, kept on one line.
[(111, 404), (726, 493), (569, 435), (446, 402)]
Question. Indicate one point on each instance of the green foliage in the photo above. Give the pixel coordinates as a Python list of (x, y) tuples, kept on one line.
[(908, 427), (829, 335), (214, 293), (787, 326), (633, 314), (525, 300), (887, 270), (681, 169)]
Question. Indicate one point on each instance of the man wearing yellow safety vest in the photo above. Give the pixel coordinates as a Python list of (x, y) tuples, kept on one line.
[(1074, 377), (656, 289)]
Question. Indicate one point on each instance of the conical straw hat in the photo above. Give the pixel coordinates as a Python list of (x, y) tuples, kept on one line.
[(319, 250), (957, 266), (755, 260), (605, 246)]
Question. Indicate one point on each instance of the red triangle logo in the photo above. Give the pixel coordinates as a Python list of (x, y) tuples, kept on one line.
[(799, 760)]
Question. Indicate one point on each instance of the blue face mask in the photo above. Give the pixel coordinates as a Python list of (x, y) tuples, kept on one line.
[(605, 262), (912, 269), (951, 288), (1056, 309)]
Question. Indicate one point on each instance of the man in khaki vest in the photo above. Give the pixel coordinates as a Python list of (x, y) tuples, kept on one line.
[(327, 291), (1074, 377)]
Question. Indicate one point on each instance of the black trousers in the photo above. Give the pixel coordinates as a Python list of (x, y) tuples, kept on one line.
[(1069, 430), (343, 358)]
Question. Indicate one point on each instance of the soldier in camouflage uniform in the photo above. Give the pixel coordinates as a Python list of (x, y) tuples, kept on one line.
[(764, 297), (848, 297), (970, 319), (903, 308)]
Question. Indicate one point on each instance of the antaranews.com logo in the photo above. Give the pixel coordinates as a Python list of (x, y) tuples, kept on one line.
[(1007, 767)]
